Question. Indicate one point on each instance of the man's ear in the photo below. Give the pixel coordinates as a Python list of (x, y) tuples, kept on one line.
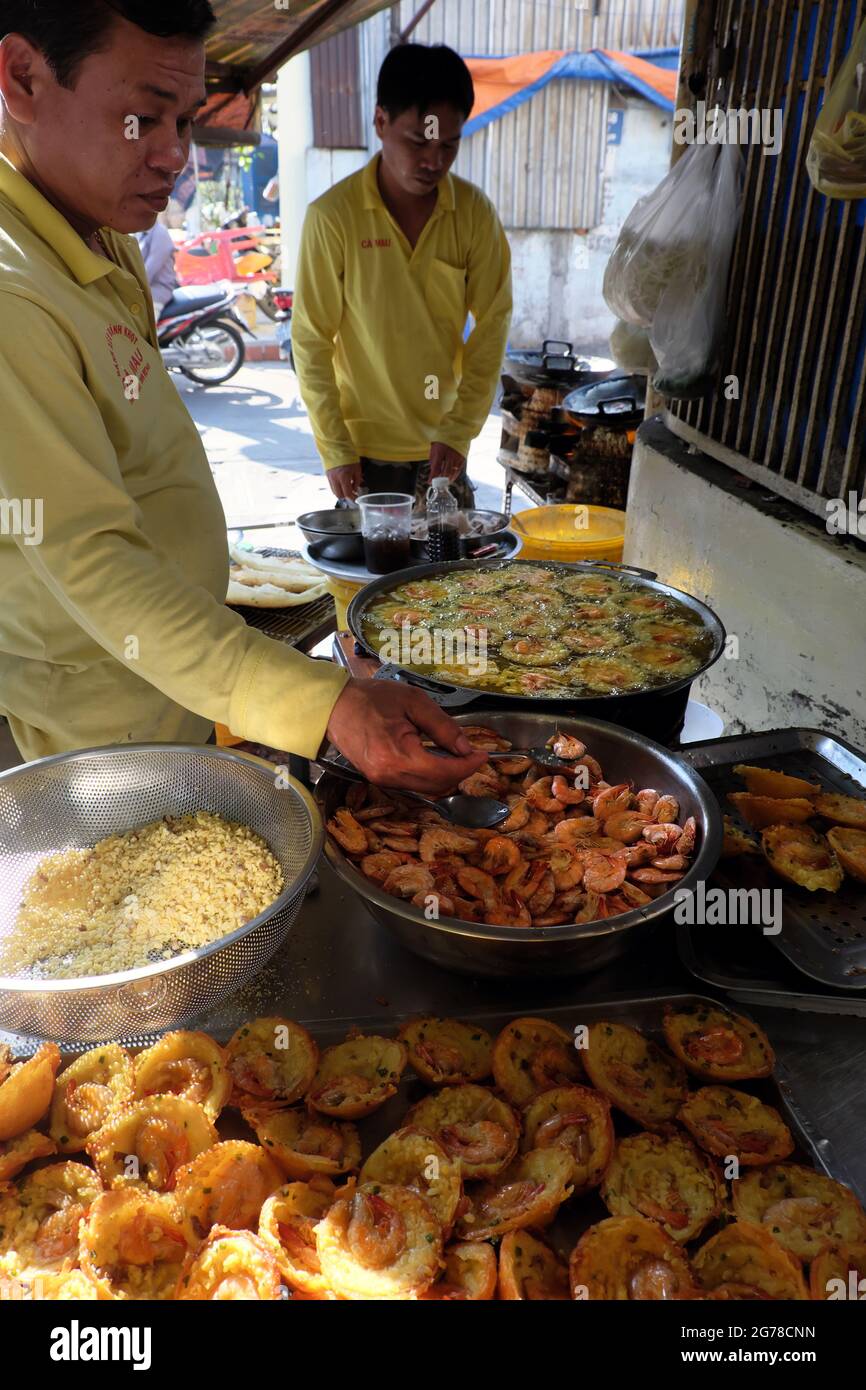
[(380, 121), (23, 70)]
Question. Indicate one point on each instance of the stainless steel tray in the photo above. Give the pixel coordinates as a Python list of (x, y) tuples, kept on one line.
[(823, 934), (786, 1090)]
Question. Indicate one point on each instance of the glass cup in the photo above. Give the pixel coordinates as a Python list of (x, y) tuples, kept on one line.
[(386, 519)]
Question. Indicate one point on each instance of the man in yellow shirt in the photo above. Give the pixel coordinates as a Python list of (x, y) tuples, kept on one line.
[(113, 555), (392, 260)]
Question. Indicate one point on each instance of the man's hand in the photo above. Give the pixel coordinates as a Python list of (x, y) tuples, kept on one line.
[(446, 462), (378, 726), (346, 481)]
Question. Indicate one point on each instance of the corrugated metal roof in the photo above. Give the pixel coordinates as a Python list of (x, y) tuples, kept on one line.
[(255, 37)]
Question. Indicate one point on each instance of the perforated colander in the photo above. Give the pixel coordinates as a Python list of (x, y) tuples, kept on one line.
[(73, 800)]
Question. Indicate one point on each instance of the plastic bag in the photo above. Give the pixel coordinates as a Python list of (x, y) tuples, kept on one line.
[(836, 162), (664, 238), (630, 349), (689, 320)]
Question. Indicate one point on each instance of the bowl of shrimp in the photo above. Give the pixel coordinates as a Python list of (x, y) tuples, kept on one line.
[(589, 861)]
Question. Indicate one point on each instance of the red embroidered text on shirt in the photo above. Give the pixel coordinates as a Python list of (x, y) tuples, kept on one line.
[(366, 244), (134, 362)]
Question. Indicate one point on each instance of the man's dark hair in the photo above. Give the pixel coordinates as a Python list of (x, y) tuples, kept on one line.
[(68, 31), (415, 77)]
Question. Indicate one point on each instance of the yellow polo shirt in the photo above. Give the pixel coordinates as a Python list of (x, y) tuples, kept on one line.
[(377, 328), (113, 554)]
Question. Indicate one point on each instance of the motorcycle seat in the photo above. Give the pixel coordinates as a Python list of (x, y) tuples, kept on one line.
[(192, 297)]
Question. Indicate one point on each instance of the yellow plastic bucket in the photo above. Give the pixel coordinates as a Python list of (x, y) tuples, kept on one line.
[(570, 533), (343, 591)]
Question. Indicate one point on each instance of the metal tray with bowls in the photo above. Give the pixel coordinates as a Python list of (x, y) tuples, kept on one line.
[(478, 949), (658, 712), (823, 934), (73, 800)]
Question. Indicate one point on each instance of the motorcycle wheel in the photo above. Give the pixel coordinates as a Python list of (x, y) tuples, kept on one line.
[(219, 374)]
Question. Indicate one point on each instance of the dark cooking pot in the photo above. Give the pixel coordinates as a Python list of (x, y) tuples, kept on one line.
[(658, 713)]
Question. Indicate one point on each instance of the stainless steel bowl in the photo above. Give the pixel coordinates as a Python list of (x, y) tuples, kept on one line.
[(338, 529), (475, 949), (75, 799)]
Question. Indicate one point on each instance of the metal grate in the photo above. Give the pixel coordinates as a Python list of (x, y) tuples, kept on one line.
[(797, 293), (299, 627)]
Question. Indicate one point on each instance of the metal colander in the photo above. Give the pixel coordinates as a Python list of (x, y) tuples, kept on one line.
[(73, 800)]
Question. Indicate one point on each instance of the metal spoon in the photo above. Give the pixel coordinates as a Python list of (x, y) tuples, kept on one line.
[(475, 812), (540, 755)]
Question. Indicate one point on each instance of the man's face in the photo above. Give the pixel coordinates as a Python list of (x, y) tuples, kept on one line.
[(419, 148), (110, 149)]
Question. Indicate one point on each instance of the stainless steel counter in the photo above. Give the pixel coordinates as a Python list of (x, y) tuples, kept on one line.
[(338, 963)]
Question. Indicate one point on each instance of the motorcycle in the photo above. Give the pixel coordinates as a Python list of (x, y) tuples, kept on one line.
[(198, 334), (283, 300)]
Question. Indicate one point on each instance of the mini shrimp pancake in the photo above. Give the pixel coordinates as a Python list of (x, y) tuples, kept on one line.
[(145, 1142), (642, 604), (225, 1186), (761, 811), (666, 630), (586, 586), (801, 1209), (727, 1123), (606, 674), (576, 1119), (831, 1270), (802, 856), (271, 1059), (530, 1270), (595, 637), (445, 1052), (185, 1064), (842, 810), (233, 1265), (747, 1256), (717, 1044), (288, 1226), (529, 1193), (40, 1218), (88, 1092), (71, 1285), (26, 1091), (640, 1079), (379, 1242), (534, 651), (665, 1179), (531, 1055), (15, 1154), (664, 660), (411, 1158), (470, 1273), (472, 1125), (357, 1076), (629, 1258), (304, 1144), (849, 847), (765, 781), (133, 1245)]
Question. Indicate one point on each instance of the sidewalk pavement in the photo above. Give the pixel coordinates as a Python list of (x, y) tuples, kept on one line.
[(259, 442)]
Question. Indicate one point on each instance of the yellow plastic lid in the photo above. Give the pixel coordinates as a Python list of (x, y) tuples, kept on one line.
[(570, 532)]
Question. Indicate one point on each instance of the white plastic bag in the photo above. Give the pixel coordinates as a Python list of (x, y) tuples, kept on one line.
[(630, 349), (689, 320), (836, 161), (665, 237)]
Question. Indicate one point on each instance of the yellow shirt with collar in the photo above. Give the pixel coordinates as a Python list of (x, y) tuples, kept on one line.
[(377, 327), (113, 553)]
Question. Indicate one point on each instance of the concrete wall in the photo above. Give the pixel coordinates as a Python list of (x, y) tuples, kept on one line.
[(558, 275), (790, 593)]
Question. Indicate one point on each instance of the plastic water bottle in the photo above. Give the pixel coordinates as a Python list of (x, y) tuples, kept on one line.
[(443, 522)]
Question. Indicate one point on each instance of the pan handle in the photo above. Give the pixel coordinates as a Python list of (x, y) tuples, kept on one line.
[(449, 696), (557, 343), (621, 568)]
